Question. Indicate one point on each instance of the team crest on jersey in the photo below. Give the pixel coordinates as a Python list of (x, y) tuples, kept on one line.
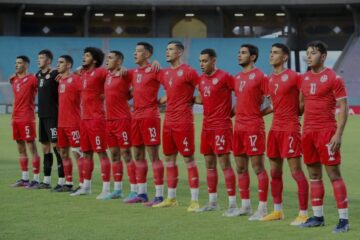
[(323, 78), (69, 80), (284, 77), (203, 82), (148, 69), (47, 76), (252, 76), (180, 73), (215, 81)]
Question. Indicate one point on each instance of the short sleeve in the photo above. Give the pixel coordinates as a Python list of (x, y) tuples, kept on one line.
[(230, 81), (34, 82), (193, 77), (298, 81), (160, 76), (338, 88)]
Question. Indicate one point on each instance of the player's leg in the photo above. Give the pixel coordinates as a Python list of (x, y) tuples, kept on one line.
[(105, 167), (340, 194), (302, 189), (48, 157), (212, 182), (23, 161), (31, 145), (88, 168), (68, 167), (158, 174), (242, 169), (79, 157), (230, 183), (131, 170), (257, 163), (193, 180), (117, 172), (276, 167)]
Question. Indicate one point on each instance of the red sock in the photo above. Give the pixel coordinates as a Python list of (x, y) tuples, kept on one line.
[(141, 171), (303, 189), (88, 168), (80, 165), (172, 173), (36, 164), (105, 169), (244, 185), (131, 171), (67, 164), (276, 186), (230, 181), (263, 185), (212, 180), (317, 192), (117, 171), (158, 172), (340, 193), (23, 163), (193, 175)]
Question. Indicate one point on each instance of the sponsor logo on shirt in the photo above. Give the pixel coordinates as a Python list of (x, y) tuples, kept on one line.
[(252, 76), (180, 73), (307, 78), (92, 74), (215, 81), (47, 76), (323, 78), (203, 82), (284, 77), (25, 79)]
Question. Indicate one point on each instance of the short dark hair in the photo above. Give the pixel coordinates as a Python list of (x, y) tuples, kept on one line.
[(253, 50), (209, 51), (118, 54), (319, 45), (147, 46), (47, 53), (284, 48), (97, 54), (68, 59), (24, 58), (178, 44)]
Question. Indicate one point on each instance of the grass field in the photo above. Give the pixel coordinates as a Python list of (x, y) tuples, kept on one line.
[(39, 214)]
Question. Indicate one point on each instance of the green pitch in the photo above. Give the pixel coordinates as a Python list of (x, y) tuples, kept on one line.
[(40, 214)]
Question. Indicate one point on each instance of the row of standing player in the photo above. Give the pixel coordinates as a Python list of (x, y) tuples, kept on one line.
[(319, 90)]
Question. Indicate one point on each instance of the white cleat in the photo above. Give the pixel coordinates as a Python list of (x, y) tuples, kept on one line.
[(209, 207), (244, 211), (258, 215), (103, 196), (81, 191), (232, 211)]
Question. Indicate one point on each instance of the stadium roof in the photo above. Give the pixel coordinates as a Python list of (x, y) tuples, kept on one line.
[(181, 2)]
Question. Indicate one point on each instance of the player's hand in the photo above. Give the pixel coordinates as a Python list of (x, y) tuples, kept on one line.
[(12, 77), (58, 77), (155, 66), (121, 72), (335, 143), (79, 70)]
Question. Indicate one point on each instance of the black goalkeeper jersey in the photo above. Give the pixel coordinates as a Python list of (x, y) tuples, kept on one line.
[(48, 96)]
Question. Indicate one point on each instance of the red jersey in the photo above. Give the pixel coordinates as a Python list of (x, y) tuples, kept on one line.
[(284, 89), (216, 94), (117, 93), (24, 90), (250, 89), (92, 93), (321, 90), (146, 85), (69, 101), (179, 84)]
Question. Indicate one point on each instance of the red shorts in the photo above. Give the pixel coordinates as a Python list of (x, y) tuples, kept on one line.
[(145, 131), (250, 143), (216, 141), (24, 131), (93, 135), (118, 133), (178, 138), (68, 137), (315, 148), (282, 144)]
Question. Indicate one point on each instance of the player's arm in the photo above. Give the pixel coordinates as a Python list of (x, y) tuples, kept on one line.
[(266, 107), (12, 77), (198, 100), (301, 104), (162, 100), (335, 141)]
